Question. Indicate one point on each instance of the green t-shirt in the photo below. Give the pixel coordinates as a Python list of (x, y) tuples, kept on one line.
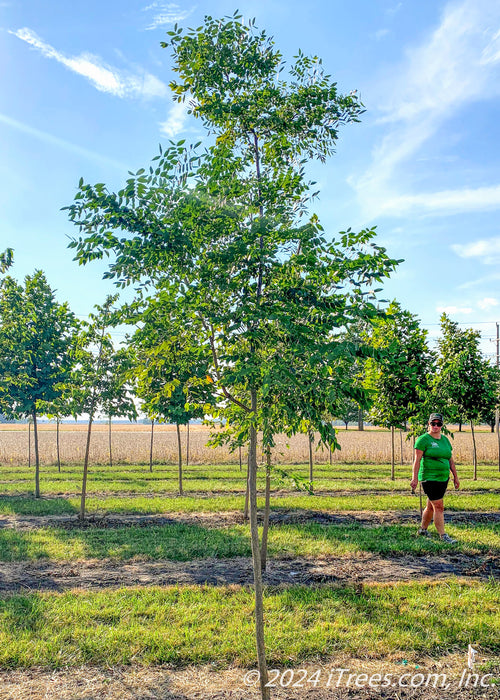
[(435, 463)]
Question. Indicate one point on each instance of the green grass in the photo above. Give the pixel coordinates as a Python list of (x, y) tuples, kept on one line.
[(184, 542), (221, 479), (186, 625), (143, 505), (189, 625)]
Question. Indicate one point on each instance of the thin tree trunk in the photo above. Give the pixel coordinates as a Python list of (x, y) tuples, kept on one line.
[(247, 490), (392, 454), (252, 476), (331, 454), (267, 508), (257, 571), (401, 445), (57, 446), (459, 426), (187, 445), (110, 450), (37, 455), (474, 452), (311, 438), (93, 403), (179, 457), (81, 515), (239, 455), (151, 447), (29, 443)]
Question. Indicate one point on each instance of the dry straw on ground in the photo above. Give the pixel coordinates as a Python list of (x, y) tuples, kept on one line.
[(206, 682), (131, 445)]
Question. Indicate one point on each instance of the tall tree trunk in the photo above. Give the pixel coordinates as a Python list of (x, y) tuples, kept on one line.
[(267, 508), (151, 447), (187, 446), (257, 571), (239, 455), (310, 435), (29, 443), (110, 450), (361, 423), (474, 451), (179, 457), (37, 455), (401, 445), (247, 490), (81, 515), (93, 403), (252, 475), (58, 447), (393, 476)]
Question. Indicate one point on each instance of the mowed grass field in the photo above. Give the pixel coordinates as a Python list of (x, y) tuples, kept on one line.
[(382, 595)]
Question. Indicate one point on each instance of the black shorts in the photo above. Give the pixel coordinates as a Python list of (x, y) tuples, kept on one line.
[(435, 490)]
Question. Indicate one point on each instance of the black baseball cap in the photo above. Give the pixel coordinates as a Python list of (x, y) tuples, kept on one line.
[(436, 416)]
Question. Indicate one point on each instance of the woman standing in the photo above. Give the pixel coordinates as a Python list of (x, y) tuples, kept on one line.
[(432, 466)]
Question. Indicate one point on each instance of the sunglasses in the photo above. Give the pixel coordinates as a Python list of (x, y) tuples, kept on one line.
[(436, 422)]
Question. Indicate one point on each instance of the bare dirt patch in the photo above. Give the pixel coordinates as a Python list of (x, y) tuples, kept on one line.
[(364, 568), (227, 518)]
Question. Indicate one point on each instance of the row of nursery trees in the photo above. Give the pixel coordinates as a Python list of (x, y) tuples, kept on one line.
[(246, 311), (56, 366)]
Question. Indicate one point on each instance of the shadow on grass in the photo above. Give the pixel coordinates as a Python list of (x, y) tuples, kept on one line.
[(29, 505), (176, 542), (184, 541)]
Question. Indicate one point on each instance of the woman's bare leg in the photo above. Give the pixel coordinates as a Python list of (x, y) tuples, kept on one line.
[(438, 507), (427, 515)]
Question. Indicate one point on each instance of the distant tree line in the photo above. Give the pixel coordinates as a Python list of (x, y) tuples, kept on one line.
[(56, 366)]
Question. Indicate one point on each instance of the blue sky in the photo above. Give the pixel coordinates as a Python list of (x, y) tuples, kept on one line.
[(84, 93)]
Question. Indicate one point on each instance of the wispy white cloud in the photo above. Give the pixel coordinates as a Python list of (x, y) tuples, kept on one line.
[(457, 65), (481, 282), (394, 9), (380, 34), (487, 303), (454, 310), (102, 76), (486, 250), (468, 307), (167, 13), (174, 124), (61, 143), (491, 53), (444, 202)]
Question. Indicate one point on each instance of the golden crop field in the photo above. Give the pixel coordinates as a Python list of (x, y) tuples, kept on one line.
[(131, 445)]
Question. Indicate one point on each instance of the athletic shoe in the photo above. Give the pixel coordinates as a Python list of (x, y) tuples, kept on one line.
[(423, 533), (449, 540)]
